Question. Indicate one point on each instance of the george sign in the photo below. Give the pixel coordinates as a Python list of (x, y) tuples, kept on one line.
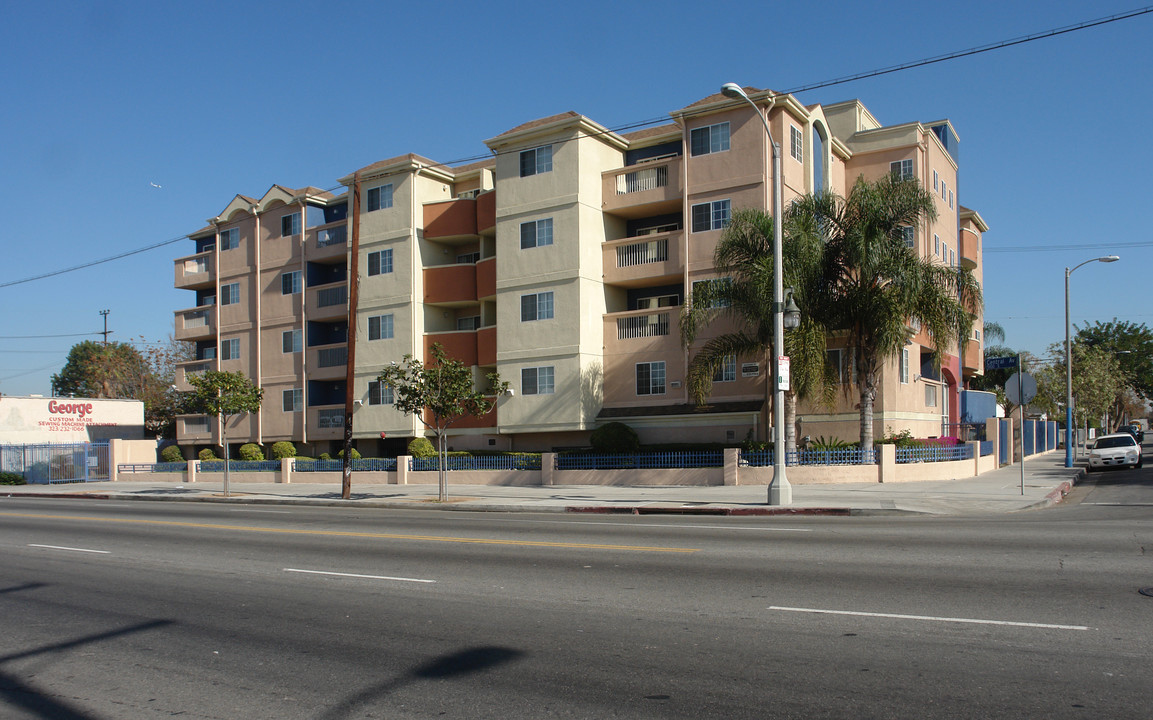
[(32, 420), (1021, 388), (1000, 363), (782, 372)]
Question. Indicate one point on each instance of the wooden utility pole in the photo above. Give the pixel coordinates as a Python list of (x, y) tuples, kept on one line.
[(350, 368)]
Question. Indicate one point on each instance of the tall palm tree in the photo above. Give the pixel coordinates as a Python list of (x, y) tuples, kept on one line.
[(744, 257), (876, 286)]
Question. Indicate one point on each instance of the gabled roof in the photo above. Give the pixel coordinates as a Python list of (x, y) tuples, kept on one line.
[(531, 124), (645, 133)]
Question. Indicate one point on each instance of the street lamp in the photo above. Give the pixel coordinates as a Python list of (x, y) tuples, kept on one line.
[(780, 491), (1069, 362)]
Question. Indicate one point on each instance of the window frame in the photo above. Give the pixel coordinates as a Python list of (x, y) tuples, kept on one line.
[(537, 374), (380, 393), (720, 214), (381, 322), (292, 400), (229, 349), (229, 239), (651, 377), (379, 202), (541, 160), (903, 370), (379, 256), (295, 345), (727, 371), (230, 294), (292, 221), (796, 143), (536, 233), (900, 169), (295, 281), (710, 139), (536, 306)]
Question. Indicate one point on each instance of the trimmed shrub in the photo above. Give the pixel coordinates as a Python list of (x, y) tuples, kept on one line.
[(171, 454), (421, 447), (207, 454), (7, 478), (615, 437), (251, 451), (821, 443), (325, 456), (354, 454), (283, 449)]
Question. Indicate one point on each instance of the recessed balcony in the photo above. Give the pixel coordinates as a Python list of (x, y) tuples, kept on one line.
[(653, 187), (970, 250), (458, 344), (191, 367), (328, 362), (450, 219), (451, 284), (327, 243), (642, 261), (328, 302), (196, 323), (326, 422), (195, 272)]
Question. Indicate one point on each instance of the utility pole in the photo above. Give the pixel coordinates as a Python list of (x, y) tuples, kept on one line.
[(105, 333), (350, 368)]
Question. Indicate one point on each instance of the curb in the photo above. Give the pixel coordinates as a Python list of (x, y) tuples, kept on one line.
[(1058, 494)]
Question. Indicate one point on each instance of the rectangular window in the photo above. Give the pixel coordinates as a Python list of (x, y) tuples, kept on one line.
[(944, 190), (536, 233), (930, 395), (950, 199), (380, 327), (709, 139), (935, 185), (290, 225), (908, 238), (903, 169), (380, 262), (905, 366), (936, 244), (842, 361), (711, 215), (470, 258), (468, 323), (536, 381), (797, 144), (651, 378), (945, 252), (293, 400), (727, 371), (230, 349), (536, 161), (952, 258), (230, 293), (379, 393), (379, 198), (714, 291), (291, 341), (229, 238), (536, 307), (290, 283)]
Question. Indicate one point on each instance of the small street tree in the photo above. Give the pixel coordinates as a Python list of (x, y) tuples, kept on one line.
[(224, 395), (439, 394)]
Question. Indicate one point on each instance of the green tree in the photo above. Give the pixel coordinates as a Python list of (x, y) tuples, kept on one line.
[(224, 395), (439, 394), (744, 257), (1099, 385), (1132, 345), (876, 286)]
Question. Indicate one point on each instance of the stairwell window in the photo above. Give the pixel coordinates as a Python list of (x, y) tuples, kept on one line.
[(903, 169), (292, 401), (290, 283), (538, 306), (291, 341), (709, 139), (537, 380), (380, 327), (379, 393), (711, 215), (380, 262), (379, 198), (230, 293), (537, 233), (651, 378), (290, 225), (536, 161), (230, 349), (229, 238)]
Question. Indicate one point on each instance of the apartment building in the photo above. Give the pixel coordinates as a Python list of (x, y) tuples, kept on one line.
[(562, 263)]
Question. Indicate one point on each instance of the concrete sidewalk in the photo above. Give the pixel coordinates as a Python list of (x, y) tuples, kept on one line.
[(1046, 483)]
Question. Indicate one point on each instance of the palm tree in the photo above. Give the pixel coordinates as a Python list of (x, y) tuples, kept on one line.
[(744, 257), (876, 286)]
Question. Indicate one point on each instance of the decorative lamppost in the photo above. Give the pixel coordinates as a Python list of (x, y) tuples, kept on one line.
[(1069, 362)]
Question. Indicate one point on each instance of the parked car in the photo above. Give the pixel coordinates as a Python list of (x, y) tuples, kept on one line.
[(1118, 450), (1135, 430)]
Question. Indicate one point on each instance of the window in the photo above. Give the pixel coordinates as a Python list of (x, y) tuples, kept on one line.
[(715, 287), (290, 225), (944, 190), (709, 139), (935, 185), (950, 199), (977, 335), (536, 380), (930, 395), (536, 161), (291, 341), (905, 366), (797, 144), (293, 400), (379, 393), (290, 283), (727, 370), (843, 363), (536, 307), (952, 258), (907, 237), (230, 349), (380, 327), (536, 233), (380, 262), (468, 323), (711, 215), (936, 244), (470, 258), (230, 293), (658, 301), (945, 252), (903, 169), (379, 198), (651, 378), (229, 238)]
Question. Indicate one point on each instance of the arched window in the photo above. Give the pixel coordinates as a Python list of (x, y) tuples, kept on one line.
[(819, 168)]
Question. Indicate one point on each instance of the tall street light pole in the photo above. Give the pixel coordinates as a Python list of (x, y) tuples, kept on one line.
[(780, 491), (1069, 362)]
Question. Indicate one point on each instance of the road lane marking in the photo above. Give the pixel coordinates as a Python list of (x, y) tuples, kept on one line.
[(278, 512), (662, 525), (973, 621), (355, 575), (376, 536), (61, 547)]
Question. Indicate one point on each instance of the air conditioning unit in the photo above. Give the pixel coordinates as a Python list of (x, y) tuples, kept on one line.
[(674, 383)]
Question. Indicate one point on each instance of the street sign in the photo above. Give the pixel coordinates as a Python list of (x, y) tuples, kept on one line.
[(782, 372), (1000, 363), (1021, 388)]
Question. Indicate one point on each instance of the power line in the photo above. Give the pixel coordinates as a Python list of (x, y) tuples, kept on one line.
[(38, 337), (1055, 248)]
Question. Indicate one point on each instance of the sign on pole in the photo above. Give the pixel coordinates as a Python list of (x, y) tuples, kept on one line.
[(1000, 363), (782, 372), (1021, 388)]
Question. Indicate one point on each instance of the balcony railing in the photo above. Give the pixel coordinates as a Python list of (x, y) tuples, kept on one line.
[(332, 357), (642, 326), (641, 180), (330, 419), (328, 297), (643, 253), (332, 236)]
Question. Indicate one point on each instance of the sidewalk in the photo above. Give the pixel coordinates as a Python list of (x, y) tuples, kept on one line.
[(1046, 483)]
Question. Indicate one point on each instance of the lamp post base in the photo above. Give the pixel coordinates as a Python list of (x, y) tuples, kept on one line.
[(780, 492)]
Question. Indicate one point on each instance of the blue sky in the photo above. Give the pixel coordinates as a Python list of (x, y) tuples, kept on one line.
[(210, 99)]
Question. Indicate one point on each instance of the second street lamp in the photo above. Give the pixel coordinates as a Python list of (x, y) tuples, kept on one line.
[(1069, 361)]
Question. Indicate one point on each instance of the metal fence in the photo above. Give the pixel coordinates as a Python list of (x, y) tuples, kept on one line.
[(163, 467), (57, 463), (358, 465), (930, 453), (477, 462), (986, 448), (641, 461), (844, 456), (239, 466)]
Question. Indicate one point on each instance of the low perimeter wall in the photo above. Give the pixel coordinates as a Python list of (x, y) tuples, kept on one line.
[(887, 470)]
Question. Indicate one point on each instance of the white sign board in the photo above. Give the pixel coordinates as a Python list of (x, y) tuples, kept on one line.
[(34, 420), (782, 372)]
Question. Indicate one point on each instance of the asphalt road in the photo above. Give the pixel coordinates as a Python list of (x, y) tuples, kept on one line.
[(141, 610)]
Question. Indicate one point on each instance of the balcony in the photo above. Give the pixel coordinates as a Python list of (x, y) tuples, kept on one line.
[(486, 213), (970, 250), (642, 331), (451, 284), (486, 346), (326, 422), (328, 302), (648, 188), (195, 272), (327, 242), (195, 428), (458, 344), (486, 278), (973, 361), (450, 219), (196, 323), (641, 261), (184, 369), (328, 362)]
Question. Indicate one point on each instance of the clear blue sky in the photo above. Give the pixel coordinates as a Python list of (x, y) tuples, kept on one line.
[(212, 99)]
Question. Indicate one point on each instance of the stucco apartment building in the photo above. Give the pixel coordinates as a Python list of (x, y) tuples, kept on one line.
[(562, 263)]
